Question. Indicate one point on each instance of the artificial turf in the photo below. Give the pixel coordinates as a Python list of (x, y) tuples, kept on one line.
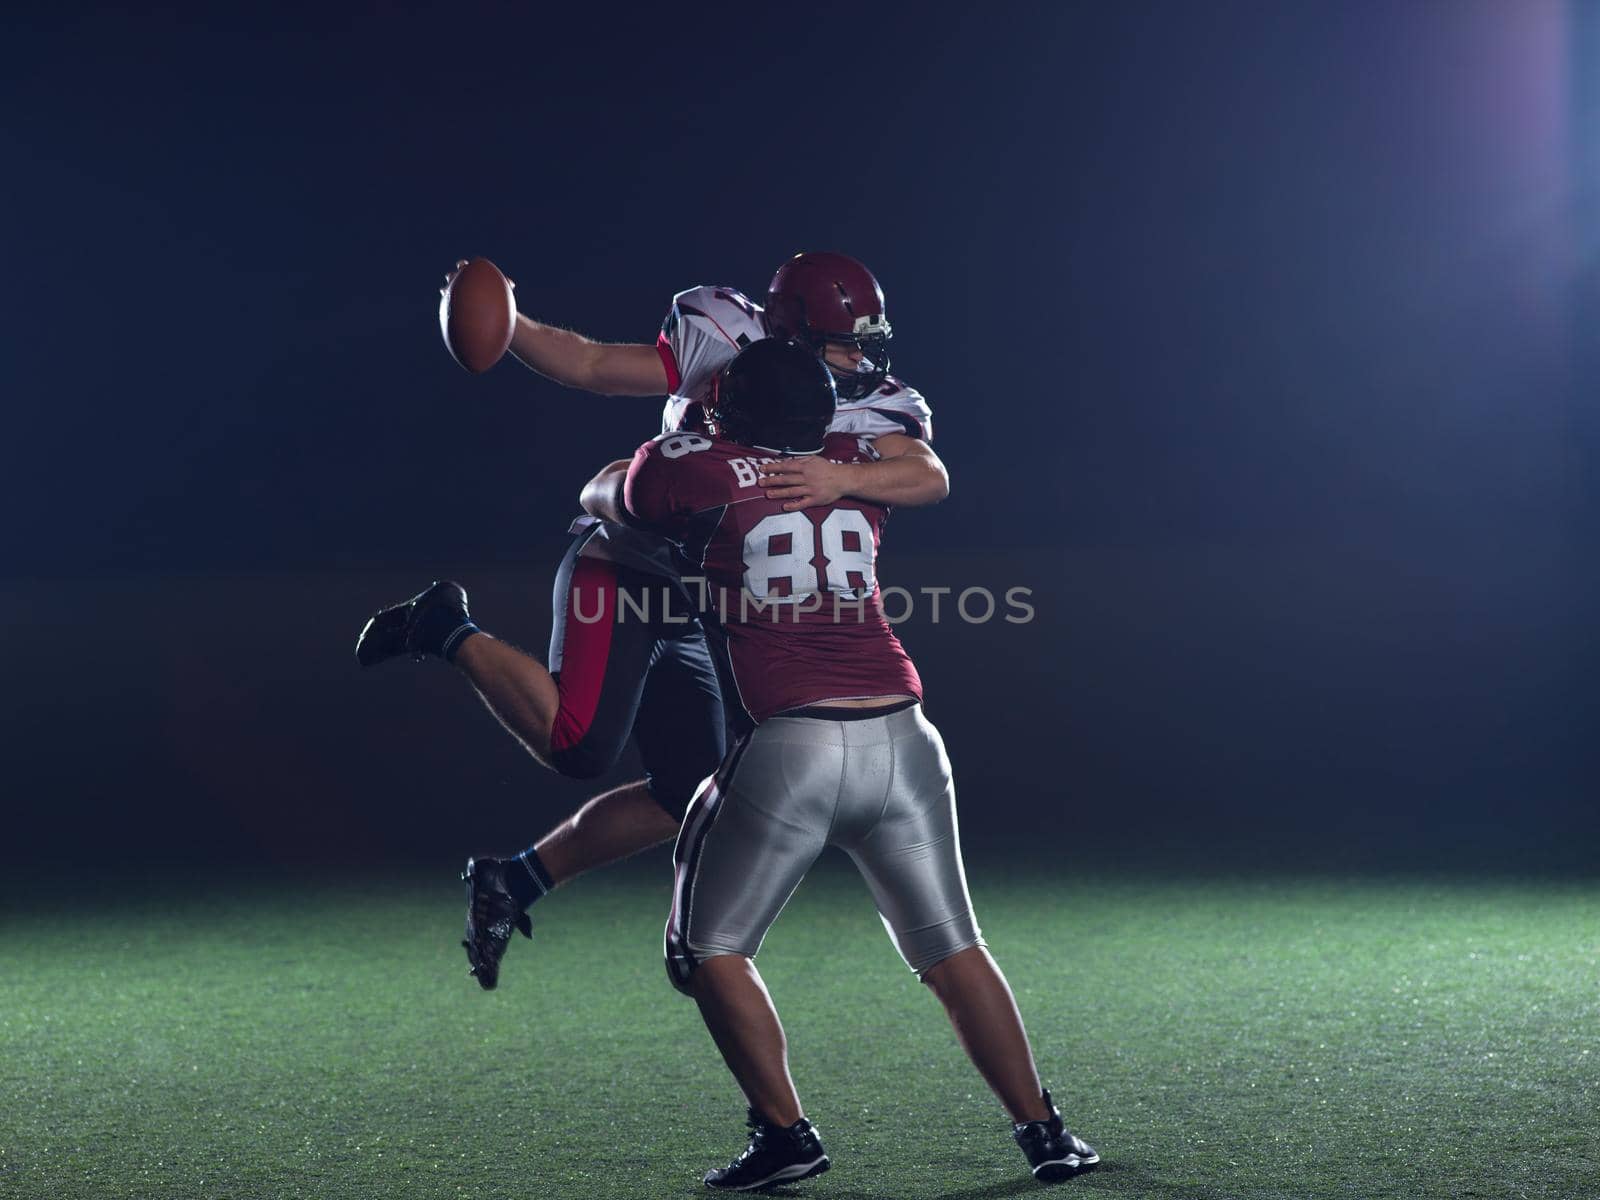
[(1231, 1037)]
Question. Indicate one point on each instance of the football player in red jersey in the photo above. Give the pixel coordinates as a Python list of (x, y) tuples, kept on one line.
[(836, 752), (654, 679)]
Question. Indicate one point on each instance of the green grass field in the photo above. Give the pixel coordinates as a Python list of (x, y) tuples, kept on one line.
[(1232, 1038)]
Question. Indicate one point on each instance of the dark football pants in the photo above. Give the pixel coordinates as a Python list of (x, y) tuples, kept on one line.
[(878, 788), (628, 657)]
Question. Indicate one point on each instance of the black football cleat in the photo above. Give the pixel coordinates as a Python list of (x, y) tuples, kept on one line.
[(775, 1155), (492, 913), (403, 628), (1053, 1151)]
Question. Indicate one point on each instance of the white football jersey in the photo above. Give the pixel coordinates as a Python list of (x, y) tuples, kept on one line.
[(707, 326), (705, 329)]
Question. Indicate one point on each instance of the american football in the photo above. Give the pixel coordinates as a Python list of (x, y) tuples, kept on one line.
[(477, 315)]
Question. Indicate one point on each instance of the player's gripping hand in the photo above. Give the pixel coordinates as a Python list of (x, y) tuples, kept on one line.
[(804, 482), (450, 277)]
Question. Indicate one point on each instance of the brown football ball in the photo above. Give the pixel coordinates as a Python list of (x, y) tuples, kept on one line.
[(478, 315)]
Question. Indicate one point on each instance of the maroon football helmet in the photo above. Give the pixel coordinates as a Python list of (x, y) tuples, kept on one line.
[(822, 298)]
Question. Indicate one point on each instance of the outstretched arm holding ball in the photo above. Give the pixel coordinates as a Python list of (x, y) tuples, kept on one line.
[(568, 358)]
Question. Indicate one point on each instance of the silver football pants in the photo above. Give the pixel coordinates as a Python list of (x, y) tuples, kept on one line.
[(878, 788)]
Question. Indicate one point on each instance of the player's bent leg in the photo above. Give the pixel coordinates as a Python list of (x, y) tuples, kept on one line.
[(602, 643), (612, 826), (678, 726), (602, 647), (645, 674), (515, 688)]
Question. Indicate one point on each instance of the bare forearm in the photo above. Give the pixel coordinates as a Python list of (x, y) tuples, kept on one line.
[(572, 360), (907, 473), (602, 496), (904, 482), (558, 354)]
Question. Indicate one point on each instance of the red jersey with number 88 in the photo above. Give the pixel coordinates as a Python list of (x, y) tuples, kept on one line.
[(795, 592)]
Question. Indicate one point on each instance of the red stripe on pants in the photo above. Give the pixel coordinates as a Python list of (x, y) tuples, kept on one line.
[(585, 647)]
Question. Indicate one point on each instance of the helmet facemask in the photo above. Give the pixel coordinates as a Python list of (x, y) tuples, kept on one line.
[(870, 372)]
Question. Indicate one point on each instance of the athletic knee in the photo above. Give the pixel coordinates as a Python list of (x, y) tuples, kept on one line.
[(935, 959), (691, 968), (577, 755), (680, 973), (719, 969)]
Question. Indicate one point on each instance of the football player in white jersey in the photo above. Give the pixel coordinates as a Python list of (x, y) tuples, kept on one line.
[(659, 682)]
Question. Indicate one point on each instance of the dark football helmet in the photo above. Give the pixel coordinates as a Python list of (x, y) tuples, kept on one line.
[(775, 395), (822, 298)]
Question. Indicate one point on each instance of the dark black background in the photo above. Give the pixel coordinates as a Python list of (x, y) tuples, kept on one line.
[(1260, 339)]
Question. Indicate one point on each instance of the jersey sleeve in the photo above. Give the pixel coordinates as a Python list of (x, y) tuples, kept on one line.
[(893, 408), (671, 479), (649, 492), (704, 329)]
